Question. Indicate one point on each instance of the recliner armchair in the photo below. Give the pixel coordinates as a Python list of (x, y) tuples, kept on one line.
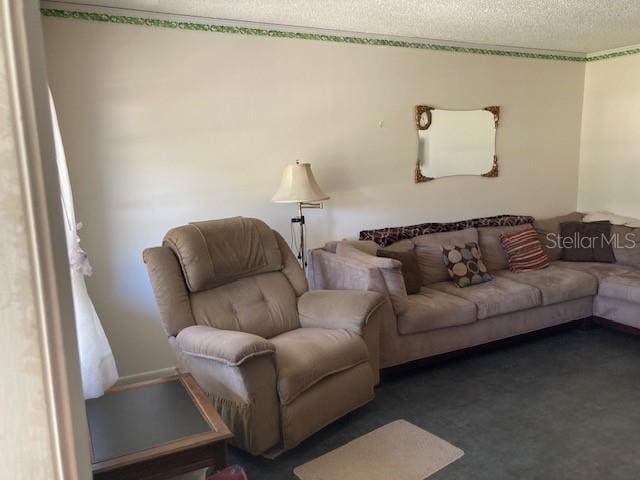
[(279, 362)]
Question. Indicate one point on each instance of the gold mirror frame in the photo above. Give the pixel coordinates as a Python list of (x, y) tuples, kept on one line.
[(426, 110)]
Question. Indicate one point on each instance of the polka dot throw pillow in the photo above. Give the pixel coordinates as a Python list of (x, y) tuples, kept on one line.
[(465, 264)]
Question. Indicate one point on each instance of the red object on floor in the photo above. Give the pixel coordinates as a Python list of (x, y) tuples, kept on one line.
[(235, 472)]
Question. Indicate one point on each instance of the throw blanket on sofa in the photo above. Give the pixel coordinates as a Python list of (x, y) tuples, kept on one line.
[(386, 236)]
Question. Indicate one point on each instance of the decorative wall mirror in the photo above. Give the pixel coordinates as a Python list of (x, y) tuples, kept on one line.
[(456, 142)]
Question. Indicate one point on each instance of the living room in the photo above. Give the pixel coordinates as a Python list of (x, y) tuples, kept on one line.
[(170, 115)]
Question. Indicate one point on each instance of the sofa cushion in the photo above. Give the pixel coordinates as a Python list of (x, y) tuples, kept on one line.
[(618, 311), (549, 231), (307, 355), (493, 254), (622, 287), (465, 265), (626, 246), (431, 309), (598, 270), (556, 284), (497, 297), (429, 251)]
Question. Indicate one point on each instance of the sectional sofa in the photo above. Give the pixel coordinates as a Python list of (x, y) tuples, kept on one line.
[(443, 318)]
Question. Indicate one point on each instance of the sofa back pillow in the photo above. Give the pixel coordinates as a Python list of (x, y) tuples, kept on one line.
[(410, 270), (571, 237), (626, 245), (586, 242), (600, 233), (549, 232), (524, 250), (399, 246), (465, 265), (429, 251), (493, 253)]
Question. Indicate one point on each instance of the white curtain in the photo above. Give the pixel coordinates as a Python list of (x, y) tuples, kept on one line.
[(97, 365)]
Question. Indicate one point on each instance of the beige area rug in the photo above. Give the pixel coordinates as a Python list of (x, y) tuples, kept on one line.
[(399, 450)]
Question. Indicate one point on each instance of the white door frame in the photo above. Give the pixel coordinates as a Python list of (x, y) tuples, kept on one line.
[(53, 302)]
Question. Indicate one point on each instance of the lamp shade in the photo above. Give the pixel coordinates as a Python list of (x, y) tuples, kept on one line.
[(298, 185)]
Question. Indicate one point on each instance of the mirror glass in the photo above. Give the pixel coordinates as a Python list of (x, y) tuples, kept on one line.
[(456, 142)]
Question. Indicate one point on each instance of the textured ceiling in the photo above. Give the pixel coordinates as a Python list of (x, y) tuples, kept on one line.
[(584, 26)]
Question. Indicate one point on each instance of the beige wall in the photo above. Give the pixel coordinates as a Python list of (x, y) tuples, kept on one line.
[(166, 126), (610, 150)]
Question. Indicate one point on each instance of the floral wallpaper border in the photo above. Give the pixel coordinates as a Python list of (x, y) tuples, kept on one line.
[(619, 53), (204, 27)]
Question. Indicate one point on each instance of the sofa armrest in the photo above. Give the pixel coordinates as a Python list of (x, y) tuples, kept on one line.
[(225, 346), (350, 269), (347, 309)]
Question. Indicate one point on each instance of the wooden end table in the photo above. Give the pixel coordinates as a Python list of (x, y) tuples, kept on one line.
[(155, 430)]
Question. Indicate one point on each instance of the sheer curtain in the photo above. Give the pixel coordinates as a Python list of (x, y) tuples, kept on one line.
[(97, 364)]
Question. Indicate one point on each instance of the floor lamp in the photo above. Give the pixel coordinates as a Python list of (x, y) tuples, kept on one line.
[(298, 185)]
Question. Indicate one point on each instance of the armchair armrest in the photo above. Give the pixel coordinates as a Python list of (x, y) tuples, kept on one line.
[(348, 309), (361, 312), (226, 346), (238, 372)]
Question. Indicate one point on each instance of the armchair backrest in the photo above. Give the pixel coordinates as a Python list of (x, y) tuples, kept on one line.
[(232, 274)]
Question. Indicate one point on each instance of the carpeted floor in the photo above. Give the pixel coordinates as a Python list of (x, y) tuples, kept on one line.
[(564, 407)]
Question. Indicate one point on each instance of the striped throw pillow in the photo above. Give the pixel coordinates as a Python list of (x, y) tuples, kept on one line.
[(524, 250)]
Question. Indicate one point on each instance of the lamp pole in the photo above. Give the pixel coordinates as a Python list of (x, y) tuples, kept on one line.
[(302, 256)]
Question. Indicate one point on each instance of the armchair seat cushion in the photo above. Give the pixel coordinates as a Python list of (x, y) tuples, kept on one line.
[(622, 287), (305, 356), (431, 309), (496, 297), (556, 284)]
